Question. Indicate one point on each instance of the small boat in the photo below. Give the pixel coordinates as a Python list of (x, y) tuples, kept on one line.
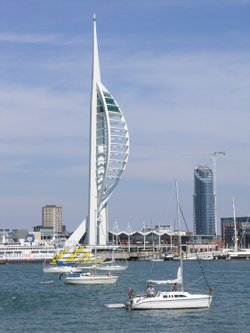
[(237, 253), (157, 259), (210, 257), (75, 255), (111, 267), (115, 306), (90, 278), (169, 256), (72, 260), (176, 298), (61, 269)]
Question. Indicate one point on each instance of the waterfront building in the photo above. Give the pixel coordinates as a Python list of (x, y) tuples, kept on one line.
[(52, 217), (19, 234), (47, 233), (203, 201), (5, 235), (136, 241), (228, 232)]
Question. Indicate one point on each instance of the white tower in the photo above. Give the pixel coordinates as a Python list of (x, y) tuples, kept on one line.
[(108, 152)]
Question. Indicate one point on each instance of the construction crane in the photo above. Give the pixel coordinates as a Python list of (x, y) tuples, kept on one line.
[(214, 154)]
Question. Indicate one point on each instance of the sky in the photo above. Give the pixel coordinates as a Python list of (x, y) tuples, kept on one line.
[(179, 70)]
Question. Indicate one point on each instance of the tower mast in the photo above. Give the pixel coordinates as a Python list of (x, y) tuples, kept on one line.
[(92, 206)]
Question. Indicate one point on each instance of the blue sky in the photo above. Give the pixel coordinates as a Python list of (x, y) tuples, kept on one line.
[(180, 71)]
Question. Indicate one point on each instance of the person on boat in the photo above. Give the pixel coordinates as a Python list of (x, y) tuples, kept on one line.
[(150, 290), (174, 287), (130, 293)]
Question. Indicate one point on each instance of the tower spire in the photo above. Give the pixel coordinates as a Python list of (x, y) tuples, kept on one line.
[(108, 151), (92, 208), (95, 64)]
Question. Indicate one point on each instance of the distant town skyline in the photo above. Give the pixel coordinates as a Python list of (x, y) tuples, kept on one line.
[(179, 70)]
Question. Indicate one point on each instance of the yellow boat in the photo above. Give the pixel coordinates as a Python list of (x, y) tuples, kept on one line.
[(77, 255)]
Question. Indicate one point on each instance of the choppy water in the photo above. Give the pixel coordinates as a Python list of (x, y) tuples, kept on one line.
[(26, 305)]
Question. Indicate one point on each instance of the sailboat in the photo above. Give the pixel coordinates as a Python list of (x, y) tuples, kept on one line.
[(91, 277), (237, 253), (111, 265), (61, 269), (176, 298)]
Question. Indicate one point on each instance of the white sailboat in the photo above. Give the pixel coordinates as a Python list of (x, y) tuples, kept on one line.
[(90, 278), (177, 298), (61, 269), (157, 259), (112, 265), (237, 253)]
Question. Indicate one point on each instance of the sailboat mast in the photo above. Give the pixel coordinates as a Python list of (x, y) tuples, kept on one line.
[(235, 230), (179, 227)]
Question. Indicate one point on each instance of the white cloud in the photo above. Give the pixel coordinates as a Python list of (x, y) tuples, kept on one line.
[(38, 38)]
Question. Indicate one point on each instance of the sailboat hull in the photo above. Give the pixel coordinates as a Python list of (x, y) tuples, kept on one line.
[(61, 269), (111, 267), (170, 300), (90, 279)]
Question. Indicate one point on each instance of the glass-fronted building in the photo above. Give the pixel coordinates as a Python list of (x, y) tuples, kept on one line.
[(203, 201)]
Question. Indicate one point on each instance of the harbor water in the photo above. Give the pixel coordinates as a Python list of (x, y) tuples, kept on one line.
[(30, 302)]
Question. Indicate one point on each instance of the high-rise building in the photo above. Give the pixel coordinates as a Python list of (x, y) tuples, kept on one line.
[(52, 217), (203, 201)]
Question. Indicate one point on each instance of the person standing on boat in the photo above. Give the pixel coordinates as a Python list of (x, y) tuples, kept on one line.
[(150, 290), (130, 293), (174, 286)]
